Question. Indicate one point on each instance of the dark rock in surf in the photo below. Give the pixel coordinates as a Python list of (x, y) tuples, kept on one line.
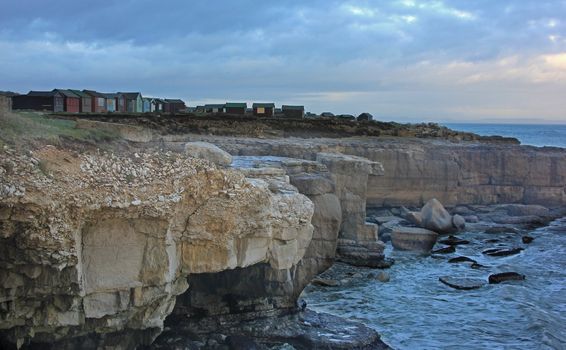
[(502, 252), (527, 239), (444, 250), (505, 276), (462, 283), (453, 240), (460, 259)]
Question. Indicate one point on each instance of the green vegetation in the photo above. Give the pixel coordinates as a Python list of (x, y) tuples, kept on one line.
[(21, 127)]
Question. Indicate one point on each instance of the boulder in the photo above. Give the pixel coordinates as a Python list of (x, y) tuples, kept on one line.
[(445, 250), (526, 210), (460, 259), (436, 218), (413, 239), (462, 283), (208, 151), (383, 277), (505, 276), (453, 240), (323, 282), (502, 252), (459, 222), (527, 239)]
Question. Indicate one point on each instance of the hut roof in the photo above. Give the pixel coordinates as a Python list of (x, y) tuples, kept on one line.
[(130, 95), (236, 105), (296, 108), (66, 93), (174, 100), (42, 93), (79, 93), (213, 106), (94, 93), (263, 105)]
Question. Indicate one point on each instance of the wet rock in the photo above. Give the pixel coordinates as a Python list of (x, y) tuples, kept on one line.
[(463, 210), (459, 222), (323, 282), (527, 239), (493, 240), (472, 218), (525, 210), (383, 276), (502, 252), (453, 240), (505, 276), (460, 259), (239, 342), (501, 229), (477, 266), (462, 283), (413, 239), (519, 220), (445, 250), (436, 218)]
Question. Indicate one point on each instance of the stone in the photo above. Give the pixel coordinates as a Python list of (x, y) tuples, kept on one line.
[(436, 218), (413, 239), (323, 282), (502, 251), (458, 222), (460, 259), (445, 250), (505, 276), (526, 210), (453, 240), (209, 152), (501, 229), (462, 283), (383, 276), (477, 266), (527, 239)]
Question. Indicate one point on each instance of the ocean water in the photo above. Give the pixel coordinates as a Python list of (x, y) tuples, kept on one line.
[(416, 311), (528, 134)]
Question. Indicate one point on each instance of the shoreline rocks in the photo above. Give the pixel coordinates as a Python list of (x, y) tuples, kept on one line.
[(413, 239)]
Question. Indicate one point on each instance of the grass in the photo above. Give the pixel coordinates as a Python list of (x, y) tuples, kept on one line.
[(21, 127)]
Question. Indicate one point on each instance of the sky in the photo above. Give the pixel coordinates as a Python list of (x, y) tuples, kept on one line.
[(401, 60)]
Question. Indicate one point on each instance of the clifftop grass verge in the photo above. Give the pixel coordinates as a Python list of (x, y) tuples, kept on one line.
[(20, 128)]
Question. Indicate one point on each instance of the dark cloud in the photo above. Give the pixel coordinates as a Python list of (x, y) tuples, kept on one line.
[(353, 55)]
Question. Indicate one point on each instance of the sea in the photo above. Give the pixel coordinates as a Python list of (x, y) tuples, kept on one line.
[(529, 134), (415, 311)]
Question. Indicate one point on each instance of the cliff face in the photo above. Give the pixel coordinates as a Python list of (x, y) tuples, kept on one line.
[(94, 249), (417, 170)]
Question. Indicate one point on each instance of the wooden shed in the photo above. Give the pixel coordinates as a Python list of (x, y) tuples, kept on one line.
[(174, 106), (263, 109), (297, 112), (214, 108), (157, 105), (147, 104), (98, 101), (133, 102), (365, 116), (40, 101), (71, 101), (111, 101), (86, 101), (235, 107)]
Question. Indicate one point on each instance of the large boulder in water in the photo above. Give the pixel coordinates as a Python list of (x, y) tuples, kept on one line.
[(413, 239), (209, 152), (436, 218)]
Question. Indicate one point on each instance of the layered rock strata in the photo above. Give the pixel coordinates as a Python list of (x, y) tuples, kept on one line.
[(417, 170), (94, 249)]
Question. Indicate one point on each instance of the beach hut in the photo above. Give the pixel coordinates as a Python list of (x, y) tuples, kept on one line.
[(86, 101), (214, 108), (365, 116), (40, 101), (263, 109), (98, 101), (133, 102), (293, 111), (235, 107), (111, 102), (174, 106), (71, 101)]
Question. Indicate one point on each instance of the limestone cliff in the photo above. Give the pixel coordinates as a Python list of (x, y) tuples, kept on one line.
[(417, 170), (95, 248)]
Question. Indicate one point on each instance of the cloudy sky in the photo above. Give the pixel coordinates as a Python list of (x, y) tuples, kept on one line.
[(405, 60)]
